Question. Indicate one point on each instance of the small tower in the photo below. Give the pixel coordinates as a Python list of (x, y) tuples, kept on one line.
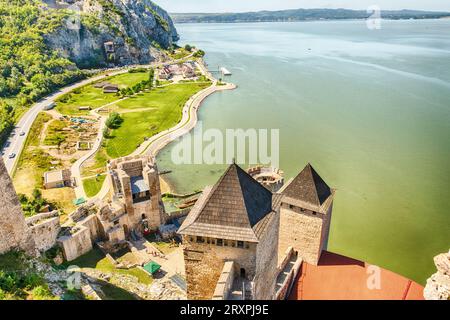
[(135, 182), (234, 222), (305, 215), (14, 233)]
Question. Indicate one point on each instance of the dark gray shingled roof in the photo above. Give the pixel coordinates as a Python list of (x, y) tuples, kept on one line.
[(308, 187), (232, 209)]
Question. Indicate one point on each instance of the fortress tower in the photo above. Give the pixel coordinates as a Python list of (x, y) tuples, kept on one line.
[(305, 215), (230, 240), (135, 181), (14, 233)]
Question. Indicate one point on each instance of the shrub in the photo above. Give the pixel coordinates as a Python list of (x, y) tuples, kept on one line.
[(114, 121), (42, 293)]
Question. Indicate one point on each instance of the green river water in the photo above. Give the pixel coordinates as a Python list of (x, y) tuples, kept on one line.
[(369, 109)]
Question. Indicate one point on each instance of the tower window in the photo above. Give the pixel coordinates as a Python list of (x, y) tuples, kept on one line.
[(291, 207), (314, 213), (219, 242), (240, 244), (200, 240)]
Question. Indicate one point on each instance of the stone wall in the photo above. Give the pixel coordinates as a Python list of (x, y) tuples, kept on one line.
[(305, 231), (44, 229), (14, 233), (287, 273), (93, 224), (204, 263), (77, 244), (225, 282), (266, 261)]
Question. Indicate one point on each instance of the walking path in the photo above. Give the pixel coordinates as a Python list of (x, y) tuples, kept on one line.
[(187, 123)]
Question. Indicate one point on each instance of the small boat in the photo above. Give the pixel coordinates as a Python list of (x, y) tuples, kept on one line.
[(225, 71)]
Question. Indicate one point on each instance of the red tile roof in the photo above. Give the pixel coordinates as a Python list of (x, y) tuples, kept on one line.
[(342, 278)]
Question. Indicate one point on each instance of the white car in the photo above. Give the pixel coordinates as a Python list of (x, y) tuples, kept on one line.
[(12, 155), (22, 134)]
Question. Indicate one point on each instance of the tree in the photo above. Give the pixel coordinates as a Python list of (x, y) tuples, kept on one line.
[(114, 121), (106, 133), (151, 77), (37, 194), (199, 54), (188, 48)]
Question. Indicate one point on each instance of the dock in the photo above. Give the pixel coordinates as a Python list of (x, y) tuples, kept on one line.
[(225, 71)]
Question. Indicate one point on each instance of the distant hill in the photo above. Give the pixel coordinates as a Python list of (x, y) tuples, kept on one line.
[(301, 15)]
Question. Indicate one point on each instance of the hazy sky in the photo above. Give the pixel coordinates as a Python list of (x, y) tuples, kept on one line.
[(255, 5)]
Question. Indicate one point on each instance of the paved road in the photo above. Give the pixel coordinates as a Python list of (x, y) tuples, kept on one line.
[(16, 142)]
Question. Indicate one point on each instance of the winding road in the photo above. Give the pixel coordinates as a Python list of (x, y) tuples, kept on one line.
[(16, 142)]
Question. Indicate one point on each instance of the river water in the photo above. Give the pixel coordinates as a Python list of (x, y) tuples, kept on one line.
[(369, 109)]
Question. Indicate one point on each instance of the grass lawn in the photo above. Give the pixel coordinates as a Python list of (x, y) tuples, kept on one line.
[(33, 161), (95, 259), (63, 198), (97, 165), (36, 129), (129, 79), (179, 54), (55, 133), (92, 186), (88, 96), (164, 247), (167, 103)]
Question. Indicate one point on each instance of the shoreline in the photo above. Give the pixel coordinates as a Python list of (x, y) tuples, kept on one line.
[(188, 122)]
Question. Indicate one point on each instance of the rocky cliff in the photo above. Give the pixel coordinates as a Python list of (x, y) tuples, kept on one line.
[(97, 33), (438, 285)]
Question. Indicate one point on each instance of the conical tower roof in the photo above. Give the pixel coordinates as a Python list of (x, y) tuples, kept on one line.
[(232, 209), (308, 187)]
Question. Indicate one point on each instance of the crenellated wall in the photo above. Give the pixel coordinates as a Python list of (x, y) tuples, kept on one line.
[(225, 282)]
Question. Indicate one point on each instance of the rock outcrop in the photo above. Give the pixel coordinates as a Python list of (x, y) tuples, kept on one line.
[(14, 233), (135, 30), (438, 285)]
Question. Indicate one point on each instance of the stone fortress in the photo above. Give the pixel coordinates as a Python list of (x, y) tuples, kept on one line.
[(244, 239), (136, 208)]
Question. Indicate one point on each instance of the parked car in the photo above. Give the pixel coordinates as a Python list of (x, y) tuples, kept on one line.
[(12, 155), (22, 134)]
